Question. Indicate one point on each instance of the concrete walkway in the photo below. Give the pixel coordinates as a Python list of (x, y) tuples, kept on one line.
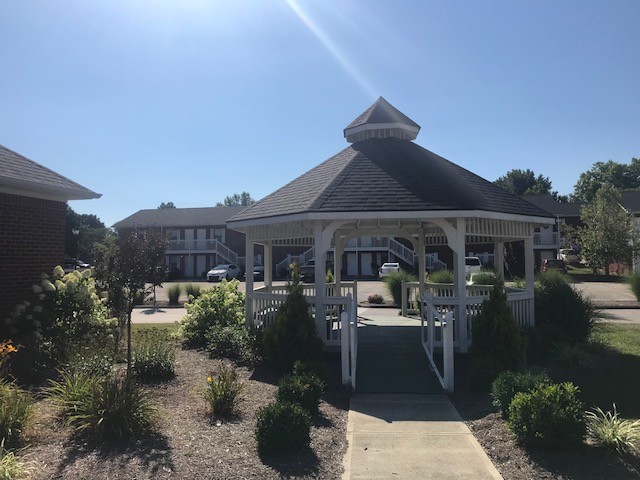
[(409, 437)]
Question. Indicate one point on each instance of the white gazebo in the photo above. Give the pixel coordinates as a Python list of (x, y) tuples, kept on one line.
[(384, 184)]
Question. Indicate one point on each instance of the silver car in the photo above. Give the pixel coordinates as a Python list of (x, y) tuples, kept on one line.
[(226, 271)]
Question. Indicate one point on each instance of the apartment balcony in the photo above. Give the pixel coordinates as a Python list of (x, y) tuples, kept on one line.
[(548, 240), (192, 245), (381, 243)]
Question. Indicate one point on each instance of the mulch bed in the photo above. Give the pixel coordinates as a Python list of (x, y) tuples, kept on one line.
[(515, 461), (187, 443)]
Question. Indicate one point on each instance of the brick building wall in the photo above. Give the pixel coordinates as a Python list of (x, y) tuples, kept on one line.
[(32, 240)]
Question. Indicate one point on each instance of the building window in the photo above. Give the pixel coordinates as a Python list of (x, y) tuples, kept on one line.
[(218, 234)]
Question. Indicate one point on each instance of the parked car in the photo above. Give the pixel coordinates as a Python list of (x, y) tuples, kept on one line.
[(71, 264), (387, 269), (226, 271), (569, 255), (472, 265), (258, 273), (553, 264)]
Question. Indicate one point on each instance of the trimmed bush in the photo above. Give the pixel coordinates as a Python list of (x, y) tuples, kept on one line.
[(293, 335), (233, 342), (223, 392), (634, 283), (505, 387), (550, 415), (318, 369), (375, 299), (612, 432), (15, 411), (154, 354), (441, 276), (113, 408), (304, 389), (282, 427), (562, 313), (222, 305), (174, 292), (394, 284), (496, 336)]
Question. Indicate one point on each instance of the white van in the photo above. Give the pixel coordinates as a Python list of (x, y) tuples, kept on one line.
[(472, 265)]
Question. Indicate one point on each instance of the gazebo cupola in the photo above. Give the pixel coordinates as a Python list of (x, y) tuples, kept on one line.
[(381, 120)]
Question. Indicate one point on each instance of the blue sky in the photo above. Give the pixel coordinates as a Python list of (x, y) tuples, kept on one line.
[(189, 101)]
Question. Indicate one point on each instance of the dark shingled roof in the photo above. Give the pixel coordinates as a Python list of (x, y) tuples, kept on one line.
[(388, 175), (20, 172), (382, 112), (631, 200), (179, 217), (551, 205)]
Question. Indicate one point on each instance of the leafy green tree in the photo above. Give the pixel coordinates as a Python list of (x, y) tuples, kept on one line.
[(125, 263), (524, 182), (237, 200), (166, 205), (608, 234), (90, 230), (621, 176)]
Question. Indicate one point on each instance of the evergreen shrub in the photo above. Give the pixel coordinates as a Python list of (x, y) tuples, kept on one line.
[(282, 427)]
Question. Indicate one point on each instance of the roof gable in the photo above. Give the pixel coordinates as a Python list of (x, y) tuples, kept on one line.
[(22, 176), (179, 217)]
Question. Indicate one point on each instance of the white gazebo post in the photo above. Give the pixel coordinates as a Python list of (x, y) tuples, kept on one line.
[(422, 267), (320, 279), (498, 258), (528, 275), (249, 282), (460, 283), (268, 265), (338, 248)]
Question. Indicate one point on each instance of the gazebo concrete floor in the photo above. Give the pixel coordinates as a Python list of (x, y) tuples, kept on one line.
[(390, 356)]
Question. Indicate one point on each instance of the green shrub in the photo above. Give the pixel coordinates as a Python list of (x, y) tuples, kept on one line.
[(66, 312), (318, 369), (496, 335), (114, 408), (329, 278), (15, 411), (233, 342), (154, 354), (507, 384), (293, 335), (174, 292), (282, 427), (485, 278), (634, 283), (550, 415), (562, 313), (222, 305), (91, 360), (612, 432), (304, 389), (441, 276), (394, 284), (223, 392), (483, 371), (375, 299), (193, 291), (519, 283)]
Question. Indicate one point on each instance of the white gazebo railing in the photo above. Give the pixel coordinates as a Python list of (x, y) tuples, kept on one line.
[(349, 342), (265, 302), (437, 330), (442, 297)]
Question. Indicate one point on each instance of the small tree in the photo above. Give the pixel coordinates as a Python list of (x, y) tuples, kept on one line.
[(237, 200), (163, 205), (293, 336), (608, 235), (125, 264)]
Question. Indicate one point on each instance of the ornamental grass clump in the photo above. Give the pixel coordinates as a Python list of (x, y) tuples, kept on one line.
[(611, 431), (282, 427), (223, 392), (154, 355), (441, 276), (16, 407), (193, 291), (222, 305), (548, 416), (394, 284), (11, 467), (174, 292)]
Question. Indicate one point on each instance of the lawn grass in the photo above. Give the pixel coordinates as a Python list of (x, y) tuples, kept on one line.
[(624, 338), (171, 327)]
